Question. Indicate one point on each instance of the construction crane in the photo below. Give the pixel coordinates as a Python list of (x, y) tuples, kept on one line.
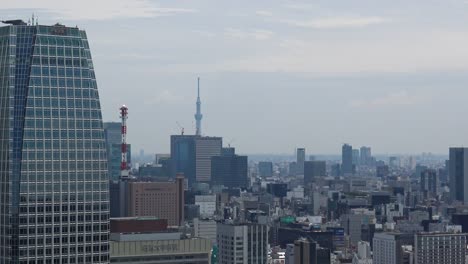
[(181, 128)]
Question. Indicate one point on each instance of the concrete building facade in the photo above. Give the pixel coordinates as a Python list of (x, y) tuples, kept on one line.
[(158, 199), (439, 248), (242, 243)]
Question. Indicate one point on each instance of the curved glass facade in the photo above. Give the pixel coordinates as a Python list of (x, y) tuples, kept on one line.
[(54, 203)]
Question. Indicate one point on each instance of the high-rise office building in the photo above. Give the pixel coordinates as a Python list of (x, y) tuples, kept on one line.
[(191, 155), (113, 137), (183, 156), (229, 171), (265, 168), (54, 203), (458, 174), (158, 199), (366, 155), (356, 157), (242, 243), (429, 183), (347, 160), (300, 159), (205, 149), (436, 248), (113, 132), (313, 169)]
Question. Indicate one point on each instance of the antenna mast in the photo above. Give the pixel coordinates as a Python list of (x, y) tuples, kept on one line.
[(124, 172)]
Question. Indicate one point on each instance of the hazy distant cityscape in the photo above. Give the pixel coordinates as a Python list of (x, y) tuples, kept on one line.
[(75, 188)]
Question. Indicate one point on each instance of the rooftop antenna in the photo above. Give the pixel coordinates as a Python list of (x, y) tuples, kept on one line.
[(230, 142)]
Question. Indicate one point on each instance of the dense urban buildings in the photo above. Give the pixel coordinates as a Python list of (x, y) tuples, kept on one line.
[(54, 199), (71, 192)]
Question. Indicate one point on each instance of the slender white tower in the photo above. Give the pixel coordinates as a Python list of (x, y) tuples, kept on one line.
[(198, 114)]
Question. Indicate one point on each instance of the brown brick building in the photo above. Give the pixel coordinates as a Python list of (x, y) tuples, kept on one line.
[(158, 199)]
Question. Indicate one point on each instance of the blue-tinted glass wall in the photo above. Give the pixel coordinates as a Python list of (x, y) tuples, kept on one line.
[(229, 171), (53, 162), (183, 156), (113, 136)]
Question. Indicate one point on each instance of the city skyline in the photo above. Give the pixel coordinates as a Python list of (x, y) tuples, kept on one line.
[(359, 73)]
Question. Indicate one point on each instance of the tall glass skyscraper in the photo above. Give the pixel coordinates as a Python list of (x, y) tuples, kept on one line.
[(54, 205)]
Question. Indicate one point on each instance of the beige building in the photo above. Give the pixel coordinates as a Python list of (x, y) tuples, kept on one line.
[(188, 251), (158, 199)]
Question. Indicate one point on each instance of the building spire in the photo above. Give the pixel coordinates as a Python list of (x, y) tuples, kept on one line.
[(198, 114)]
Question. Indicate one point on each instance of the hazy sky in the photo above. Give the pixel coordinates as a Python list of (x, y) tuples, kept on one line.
[(276, 75)]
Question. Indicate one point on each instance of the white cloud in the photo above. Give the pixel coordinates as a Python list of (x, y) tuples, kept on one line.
[(400, 98), (95, 10), (257, 34), (337, 22)]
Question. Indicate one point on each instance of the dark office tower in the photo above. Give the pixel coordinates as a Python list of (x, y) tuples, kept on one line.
[(191, 155), (230, 171), (356, 157), (309, 252), (183, 156), (429, 183), (113, 137), (458, 174), (277, 189), (382, 171), (265, 169), (462, 220), (366, 155), (300, 159), (54, 203), (346, 160), (313, 169)]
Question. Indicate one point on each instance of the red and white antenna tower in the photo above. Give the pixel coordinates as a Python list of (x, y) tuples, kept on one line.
[(124, 173)]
